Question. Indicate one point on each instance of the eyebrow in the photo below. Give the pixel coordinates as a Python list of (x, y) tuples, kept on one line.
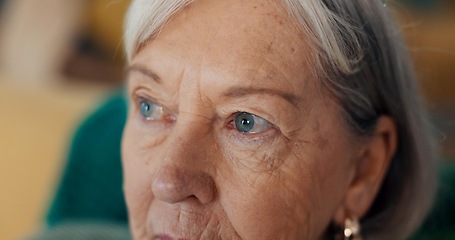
[(144, 70), (231, 92), (242, 91)]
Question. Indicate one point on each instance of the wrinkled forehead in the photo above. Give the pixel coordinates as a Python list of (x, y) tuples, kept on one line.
[(228, 17), (234, 34)]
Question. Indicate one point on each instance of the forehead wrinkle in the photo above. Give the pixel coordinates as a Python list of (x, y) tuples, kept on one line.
[(193, 93), (205, 54), (269, 74), (137, 67), (257, 60), (243, 91)]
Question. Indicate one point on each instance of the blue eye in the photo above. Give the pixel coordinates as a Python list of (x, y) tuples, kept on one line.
[(147, 109), (248, 123), (150, 110)]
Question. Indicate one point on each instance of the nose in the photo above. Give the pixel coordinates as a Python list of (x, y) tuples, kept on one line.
[(184, 172), (174, 184)]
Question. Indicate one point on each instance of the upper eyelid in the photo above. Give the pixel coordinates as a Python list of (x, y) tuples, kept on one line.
[(139, 92), (139, 84), (138, 97), (259, 135), (143, 70), (142, 91), (267, 118), (231, 118)]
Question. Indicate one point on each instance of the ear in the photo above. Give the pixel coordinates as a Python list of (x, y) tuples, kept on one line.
[(371, 166)]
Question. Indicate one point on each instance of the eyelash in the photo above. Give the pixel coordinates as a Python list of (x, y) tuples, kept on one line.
[(232, 124), (240, 118), (167, 118)]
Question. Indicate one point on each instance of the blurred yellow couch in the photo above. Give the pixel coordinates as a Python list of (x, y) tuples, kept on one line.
[(40, 108), (35, 127)]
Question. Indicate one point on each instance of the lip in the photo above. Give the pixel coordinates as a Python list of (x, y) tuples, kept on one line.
[(163, 237), (166, 237)]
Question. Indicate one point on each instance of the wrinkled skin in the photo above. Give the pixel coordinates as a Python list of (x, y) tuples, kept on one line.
[(189, 173)]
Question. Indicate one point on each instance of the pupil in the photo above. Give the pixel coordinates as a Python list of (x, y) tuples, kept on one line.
[(244, 122), (145, 109)]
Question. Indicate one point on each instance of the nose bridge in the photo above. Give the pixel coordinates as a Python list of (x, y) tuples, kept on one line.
[(185, 168), (191, 136)]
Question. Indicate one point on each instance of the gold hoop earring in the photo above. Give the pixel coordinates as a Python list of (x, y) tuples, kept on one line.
[(351, 229)]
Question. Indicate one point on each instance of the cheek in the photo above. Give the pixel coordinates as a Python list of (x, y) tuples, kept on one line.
[(295, 197), (262, 197), (269, 205), (326, 166), (137, 178)]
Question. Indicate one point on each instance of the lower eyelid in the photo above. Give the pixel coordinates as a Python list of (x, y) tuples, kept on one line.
[(262, 137)]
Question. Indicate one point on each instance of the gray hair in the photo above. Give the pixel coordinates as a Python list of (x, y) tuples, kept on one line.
[(363, 61)]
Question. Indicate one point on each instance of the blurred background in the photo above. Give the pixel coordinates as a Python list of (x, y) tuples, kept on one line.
[(60, 58)]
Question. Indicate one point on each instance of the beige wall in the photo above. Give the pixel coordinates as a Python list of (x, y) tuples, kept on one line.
[(40, 110), (35, 128)]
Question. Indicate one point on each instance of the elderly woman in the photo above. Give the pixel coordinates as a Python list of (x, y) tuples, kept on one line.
[(261, 119)]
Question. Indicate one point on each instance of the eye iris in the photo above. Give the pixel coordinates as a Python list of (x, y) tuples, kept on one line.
[(244, 122), (146, 109)]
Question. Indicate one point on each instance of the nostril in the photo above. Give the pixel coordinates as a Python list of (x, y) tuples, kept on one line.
[(191, 198), (169, 188), (173, 184)]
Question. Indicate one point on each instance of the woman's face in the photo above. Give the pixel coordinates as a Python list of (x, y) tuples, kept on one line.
[(229, 135)]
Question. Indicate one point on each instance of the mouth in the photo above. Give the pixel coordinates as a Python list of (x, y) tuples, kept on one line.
[(166, 237)]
